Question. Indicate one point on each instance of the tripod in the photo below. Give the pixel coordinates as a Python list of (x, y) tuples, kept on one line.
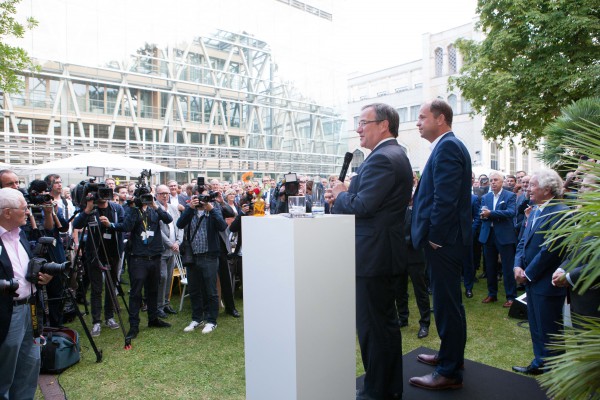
[(96, 238)]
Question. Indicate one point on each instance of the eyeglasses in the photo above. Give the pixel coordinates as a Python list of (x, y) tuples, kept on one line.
[(363, 122), (163, 193), (24, 208)]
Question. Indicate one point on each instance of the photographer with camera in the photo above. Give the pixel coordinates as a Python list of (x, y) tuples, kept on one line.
[(203, 220), (103, 249), (19, 355), (146, 247), (47, 220)]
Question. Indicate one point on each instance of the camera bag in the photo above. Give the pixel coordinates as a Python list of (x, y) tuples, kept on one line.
[(61, 350)]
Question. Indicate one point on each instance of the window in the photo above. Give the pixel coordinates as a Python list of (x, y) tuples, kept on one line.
[(439, 61), (513, 159), (357, 159), (452, 60), (403, 114), (466, 106), (494, 156), (452, 101), (525, 164), (414, 112)]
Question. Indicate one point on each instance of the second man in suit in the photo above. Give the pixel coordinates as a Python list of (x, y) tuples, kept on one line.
[(441, 224)]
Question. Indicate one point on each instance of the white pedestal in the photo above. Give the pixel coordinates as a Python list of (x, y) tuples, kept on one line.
[(299, 307)]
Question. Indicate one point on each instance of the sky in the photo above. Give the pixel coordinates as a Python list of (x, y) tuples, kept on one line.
[(316, 54)]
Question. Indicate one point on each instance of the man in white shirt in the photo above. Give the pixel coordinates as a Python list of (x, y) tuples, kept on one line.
[(19, 355)]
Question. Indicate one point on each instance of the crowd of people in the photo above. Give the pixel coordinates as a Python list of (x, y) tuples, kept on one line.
[(437, 229)]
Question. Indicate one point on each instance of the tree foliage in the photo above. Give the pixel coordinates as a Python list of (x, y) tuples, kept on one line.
[(555, 151), (537, 57), (12, 59)]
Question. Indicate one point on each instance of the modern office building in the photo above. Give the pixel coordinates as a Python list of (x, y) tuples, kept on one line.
[(212, 105), (407, 86)]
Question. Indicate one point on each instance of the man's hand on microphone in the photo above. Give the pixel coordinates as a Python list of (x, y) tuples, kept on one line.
[(338, 187)]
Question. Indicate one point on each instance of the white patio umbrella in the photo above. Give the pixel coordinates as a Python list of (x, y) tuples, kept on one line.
[(114, 164)]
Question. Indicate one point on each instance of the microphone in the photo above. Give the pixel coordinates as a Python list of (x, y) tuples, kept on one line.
[(347, 159)]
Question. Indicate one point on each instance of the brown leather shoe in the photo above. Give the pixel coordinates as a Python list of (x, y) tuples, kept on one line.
[(490, 299), (432, 359), (508, 304), (429, 359), (435, 381)]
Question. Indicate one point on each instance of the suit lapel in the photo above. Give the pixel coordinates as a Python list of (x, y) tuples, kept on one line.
[(5, 261)]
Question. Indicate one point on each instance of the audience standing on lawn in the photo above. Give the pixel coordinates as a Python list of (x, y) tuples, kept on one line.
[(515, 213)]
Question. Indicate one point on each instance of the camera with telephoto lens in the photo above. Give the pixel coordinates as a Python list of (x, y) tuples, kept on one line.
[(37, 193), (9, 287), (38, 264)]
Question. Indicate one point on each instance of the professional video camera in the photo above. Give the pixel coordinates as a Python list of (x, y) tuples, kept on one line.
[(90, 190), (142, 194), (9, 287)]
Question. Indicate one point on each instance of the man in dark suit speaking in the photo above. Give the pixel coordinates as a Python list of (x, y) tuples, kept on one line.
[(441, 223), (378, 197)]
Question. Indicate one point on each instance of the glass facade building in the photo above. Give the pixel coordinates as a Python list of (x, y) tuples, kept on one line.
[(213, 106)]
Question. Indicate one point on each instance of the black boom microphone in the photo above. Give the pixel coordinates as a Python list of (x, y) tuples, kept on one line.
[(347, 159)]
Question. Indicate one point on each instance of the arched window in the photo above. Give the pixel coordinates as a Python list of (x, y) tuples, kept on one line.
[(466, 106), (439, 61), (357, 159), (452, 101), (452, 67)]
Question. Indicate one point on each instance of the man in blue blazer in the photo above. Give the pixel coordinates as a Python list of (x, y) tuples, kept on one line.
[(498, 210), (441, 223), (378, 197), (535, 263)]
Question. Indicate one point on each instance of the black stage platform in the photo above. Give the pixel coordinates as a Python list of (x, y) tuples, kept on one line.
[(481, 382)]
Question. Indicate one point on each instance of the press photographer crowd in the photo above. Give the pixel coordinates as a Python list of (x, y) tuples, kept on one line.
[(57, 243), (127, 240)]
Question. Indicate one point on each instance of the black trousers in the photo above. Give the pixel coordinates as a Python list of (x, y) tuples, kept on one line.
[(225, 279), (97, 281), (143, 273), (417, 276), (379, 336)]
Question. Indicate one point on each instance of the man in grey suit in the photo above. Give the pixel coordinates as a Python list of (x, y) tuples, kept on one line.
[(172, 238), (378, 197)]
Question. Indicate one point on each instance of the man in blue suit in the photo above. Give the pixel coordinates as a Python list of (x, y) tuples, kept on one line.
[(498, 210), (535, 263), (378, 197), (441, 223)]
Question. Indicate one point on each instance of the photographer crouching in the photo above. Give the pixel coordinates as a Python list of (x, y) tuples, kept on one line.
[(103, 249), (19, 355), (144, 256), (202, 220)]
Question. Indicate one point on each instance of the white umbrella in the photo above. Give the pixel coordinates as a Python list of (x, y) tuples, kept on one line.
[(114, 164)]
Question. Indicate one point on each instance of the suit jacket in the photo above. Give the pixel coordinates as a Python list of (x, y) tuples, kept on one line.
[(535, 257), (378, 197), (588, 302), (6, 272), (442, 200), (165, 230), (522, 204), (502, 216)]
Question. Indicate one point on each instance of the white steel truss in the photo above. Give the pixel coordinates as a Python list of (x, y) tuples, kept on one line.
[(212, 105)]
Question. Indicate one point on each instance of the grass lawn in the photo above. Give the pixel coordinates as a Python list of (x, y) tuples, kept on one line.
[(168, 363)]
